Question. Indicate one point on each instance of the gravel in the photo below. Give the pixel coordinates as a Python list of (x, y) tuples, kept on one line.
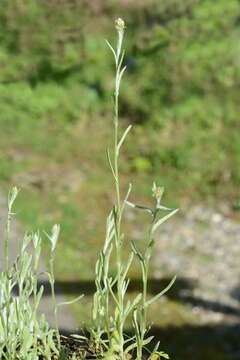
[(202, 246)]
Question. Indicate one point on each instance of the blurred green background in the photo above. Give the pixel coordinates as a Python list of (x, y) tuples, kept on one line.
[(180, 91)]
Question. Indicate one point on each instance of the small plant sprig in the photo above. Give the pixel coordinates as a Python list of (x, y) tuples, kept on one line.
[(22, 334), (53, 237), (108, 327), (140, 312)]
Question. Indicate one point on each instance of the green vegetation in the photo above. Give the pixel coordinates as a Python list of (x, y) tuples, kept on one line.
[(181, 91), (109, 322), (181, 94), (24, 336)]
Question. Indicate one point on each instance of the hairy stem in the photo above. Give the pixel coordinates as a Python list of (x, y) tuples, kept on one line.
[(118, 241)]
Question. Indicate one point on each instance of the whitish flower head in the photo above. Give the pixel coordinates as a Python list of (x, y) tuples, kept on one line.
[(157, 192), (120, 25)]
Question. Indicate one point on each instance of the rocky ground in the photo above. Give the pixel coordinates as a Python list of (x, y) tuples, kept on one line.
[(202, 246)]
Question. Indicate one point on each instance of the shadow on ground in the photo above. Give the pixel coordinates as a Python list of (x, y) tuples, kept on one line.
[(208, 342), (218, 341), (181, 292)]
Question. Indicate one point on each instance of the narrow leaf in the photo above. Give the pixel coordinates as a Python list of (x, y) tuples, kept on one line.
[(110, 164), (155, 298), (79, 337), (163, 219), (119, 78), (112, 49), (135, 302), (12, 197), (71, 301), (123, 137), (136, 251), (129, 262), (54, 236), (148, 340), (126, 197), (140, 207), (121, 60)]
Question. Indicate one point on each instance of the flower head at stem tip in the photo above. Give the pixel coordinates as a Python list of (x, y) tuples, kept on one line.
[(120, 25), (157, 193)]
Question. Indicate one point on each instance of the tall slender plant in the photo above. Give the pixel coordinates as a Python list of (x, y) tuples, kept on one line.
[(108, 326), (114, 326)]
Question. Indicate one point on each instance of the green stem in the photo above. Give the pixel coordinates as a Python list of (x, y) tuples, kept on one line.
[(6, 257), (118, 227), (120, 280), (143, 314), (6, 244), (52, 284)]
